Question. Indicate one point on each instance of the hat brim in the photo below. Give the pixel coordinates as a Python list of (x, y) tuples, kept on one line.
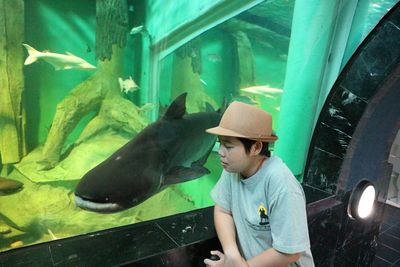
[(226, 132)]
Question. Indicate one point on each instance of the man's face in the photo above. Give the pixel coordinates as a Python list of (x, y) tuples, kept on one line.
[(233, 155)]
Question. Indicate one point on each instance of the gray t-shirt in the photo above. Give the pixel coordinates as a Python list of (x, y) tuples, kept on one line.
[(268, 209)]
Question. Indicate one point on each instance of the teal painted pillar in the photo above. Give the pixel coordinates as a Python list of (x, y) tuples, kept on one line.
[(345, 18), (312, 30), (357, 30)]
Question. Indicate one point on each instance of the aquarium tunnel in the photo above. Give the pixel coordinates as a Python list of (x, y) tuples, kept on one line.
[(104, 159)]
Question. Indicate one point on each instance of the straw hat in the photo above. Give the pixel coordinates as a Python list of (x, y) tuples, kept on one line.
[(246, 121)]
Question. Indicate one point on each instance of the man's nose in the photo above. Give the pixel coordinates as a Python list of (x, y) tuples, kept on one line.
[(221, 151)]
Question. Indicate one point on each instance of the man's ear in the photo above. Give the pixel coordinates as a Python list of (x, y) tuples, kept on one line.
[(256, 148)]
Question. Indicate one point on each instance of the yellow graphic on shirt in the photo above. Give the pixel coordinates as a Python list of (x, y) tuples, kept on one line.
[(262, 211)]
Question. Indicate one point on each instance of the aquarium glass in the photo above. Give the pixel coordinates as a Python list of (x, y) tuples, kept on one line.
[(242, 59), (375, 12), (74, 100)]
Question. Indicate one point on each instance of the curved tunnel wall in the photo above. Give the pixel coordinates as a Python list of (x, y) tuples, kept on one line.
[(351, 142), (352, 94), (368, 153)]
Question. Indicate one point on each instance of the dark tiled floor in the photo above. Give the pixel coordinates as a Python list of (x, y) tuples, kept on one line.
[(388, 251)]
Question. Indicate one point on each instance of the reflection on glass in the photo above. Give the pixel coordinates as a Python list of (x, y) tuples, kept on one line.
[(393, 195), (242, 59), (376, 10)]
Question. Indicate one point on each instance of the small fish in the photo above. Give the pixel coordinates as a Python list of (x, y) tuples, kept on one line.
[(244, 99), (136, 30), (203, 82), (214, 57), (58, 61), (262, 90), (8, 186), (127, 85), (147, 107), (88, 49), (283, 57)]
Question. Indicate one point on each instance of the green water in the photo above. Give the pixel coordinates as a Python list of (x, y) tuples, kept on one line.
[(73, 119)]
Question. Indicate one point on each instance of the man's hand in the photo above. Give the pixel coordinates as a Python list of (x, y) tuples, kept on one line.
[(225, 260), (215, 263)]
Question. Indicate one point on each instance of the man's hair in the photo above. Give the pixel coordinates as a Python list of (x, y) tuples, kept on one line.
[(247, 143)]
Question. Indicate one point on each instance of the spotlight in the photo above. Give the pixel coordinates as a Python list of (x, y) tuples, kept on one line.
[(361, 201)]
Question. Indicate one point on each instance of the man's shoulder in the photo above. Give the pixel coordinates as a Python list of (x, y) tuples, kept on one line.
[(276, 167), (281, 177)]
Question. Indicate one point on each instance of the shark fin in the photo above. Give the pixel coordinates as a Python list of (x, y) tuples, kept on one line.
[(70, 54), (209, 108), (30, 60), (181, 174), (32, 54), (201, 161), (224, 106), (177, 108)]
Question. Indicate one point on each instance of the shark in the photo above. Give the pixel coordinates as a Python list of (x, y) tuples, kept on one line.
[(262, 89), (171, 150), (58, 61)]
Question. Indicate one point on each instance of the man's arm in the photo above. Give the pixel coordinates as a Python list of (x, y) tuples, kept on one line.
[(226, 231), (272, 257)]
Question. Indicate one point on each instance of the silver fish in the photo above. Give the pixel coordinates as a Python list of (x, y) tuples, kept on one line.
[(58, 61), (136, 30), (127, 85)]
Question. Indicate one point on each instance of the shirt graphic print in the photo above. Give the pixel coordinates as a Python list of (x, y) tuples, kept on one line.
[(262, 211)]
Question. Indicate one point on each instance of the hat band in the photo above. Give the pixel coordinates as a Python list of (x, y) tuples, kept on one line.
[(219, 130)]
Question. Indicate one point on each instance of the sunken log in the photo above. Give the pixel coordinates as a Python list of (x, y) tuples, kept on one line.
[(245, 60), (112, 26), (262, 35), (186, 79), (12, 113), (100, 92)]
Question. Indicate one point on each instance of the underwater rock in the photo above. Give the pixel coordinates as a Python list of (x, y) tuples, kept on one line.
[(17, 244), (36, 203), (50, 206), (78, 162), (8, 186), (4, 229)]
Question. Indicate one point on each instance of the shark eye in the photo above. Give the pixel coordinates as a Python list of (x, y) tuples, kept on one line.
[(118, 158)]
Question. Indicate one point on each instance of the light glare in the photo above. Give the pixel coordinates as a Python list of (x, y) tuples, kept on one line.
[(366, 202)]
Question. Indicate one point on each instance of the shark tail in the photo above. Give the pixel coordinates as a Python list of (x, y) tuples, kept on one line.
[(32, 54)]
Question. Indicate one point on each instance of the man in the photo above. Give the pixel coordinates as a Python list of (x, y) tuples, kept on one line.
[(260, 215)]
